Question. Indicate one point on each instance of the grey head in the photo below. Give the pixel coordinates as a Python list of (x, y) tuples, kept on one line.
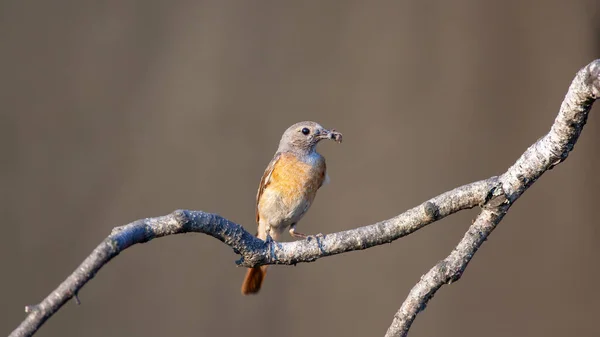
[(302, 138)]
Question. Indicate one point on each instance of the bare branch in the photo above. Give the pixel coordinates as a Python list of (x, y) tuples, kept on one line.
[(543, 155), (253, 251), (495, 195)]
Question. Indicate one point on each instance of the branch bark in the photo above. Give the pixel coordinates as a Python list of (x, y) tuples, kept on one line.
[(495, 195), (543, 155)]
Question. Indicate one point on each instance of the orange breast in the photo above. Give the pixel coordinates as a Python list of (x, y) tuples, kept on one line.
[(295, 179)]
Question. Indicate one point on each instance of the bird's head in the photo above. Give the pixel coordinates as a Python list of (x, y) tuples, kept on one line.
[(303, 137)]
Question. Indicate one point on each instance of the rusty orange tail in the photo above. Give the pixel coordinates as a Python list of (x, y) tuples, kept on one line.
[(254, 279)]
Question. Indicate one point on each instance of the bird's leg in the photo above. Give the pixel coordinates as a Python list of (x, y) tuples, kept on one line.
[(268, 232), (295, 234)]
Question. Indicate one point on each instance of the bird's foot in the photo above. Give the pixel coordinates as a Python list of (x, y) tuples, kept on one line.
[(315, 237), (295, 234), (269, 239)]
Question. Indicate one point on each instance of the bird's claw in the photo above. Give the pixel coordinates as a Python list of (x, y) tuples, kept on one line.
[(316, 236), (269, 239)]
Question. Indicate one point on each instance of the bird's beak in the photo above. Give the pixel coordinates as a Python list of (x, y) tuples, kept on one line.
[(331, 134)]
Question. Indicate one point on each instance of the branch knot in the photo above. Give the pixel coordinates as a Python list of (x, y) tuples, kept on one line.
[(495, 198), (432, 211)]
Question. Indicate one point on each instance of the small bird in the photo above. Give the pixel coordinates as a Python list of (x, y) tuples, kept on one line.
[(288, 188)]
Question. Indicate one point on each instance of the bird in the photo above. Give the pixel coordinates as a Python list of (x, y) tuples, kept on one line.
[(288, 188)]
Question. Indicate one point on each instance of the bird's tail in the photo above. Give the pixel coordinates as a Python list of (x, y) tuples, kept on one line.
[(254, 279), (255, 276)]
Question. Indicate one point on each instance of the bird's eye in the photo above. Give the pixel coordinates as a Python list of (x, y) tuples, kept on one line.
[(305, 131)]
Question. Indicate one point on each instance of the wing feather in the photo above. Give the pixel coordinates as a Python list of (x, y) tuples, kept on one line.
[(265, 180)]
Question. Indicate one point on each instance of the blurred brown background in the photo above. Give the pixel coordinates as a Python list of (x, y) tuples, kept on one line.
[(114, 111)]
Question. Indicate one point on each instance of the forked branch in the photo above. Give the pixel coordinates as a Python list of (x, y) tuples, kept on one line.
[(540, 157), (494, 195)]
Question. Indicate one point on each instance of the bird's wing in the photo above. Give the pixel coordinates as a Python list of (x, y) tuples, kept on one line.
[(264, 181), (325, 177)]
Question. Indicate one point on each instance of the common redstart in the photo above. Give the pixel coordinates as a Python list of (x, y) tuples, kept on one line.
[(288, 188)]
